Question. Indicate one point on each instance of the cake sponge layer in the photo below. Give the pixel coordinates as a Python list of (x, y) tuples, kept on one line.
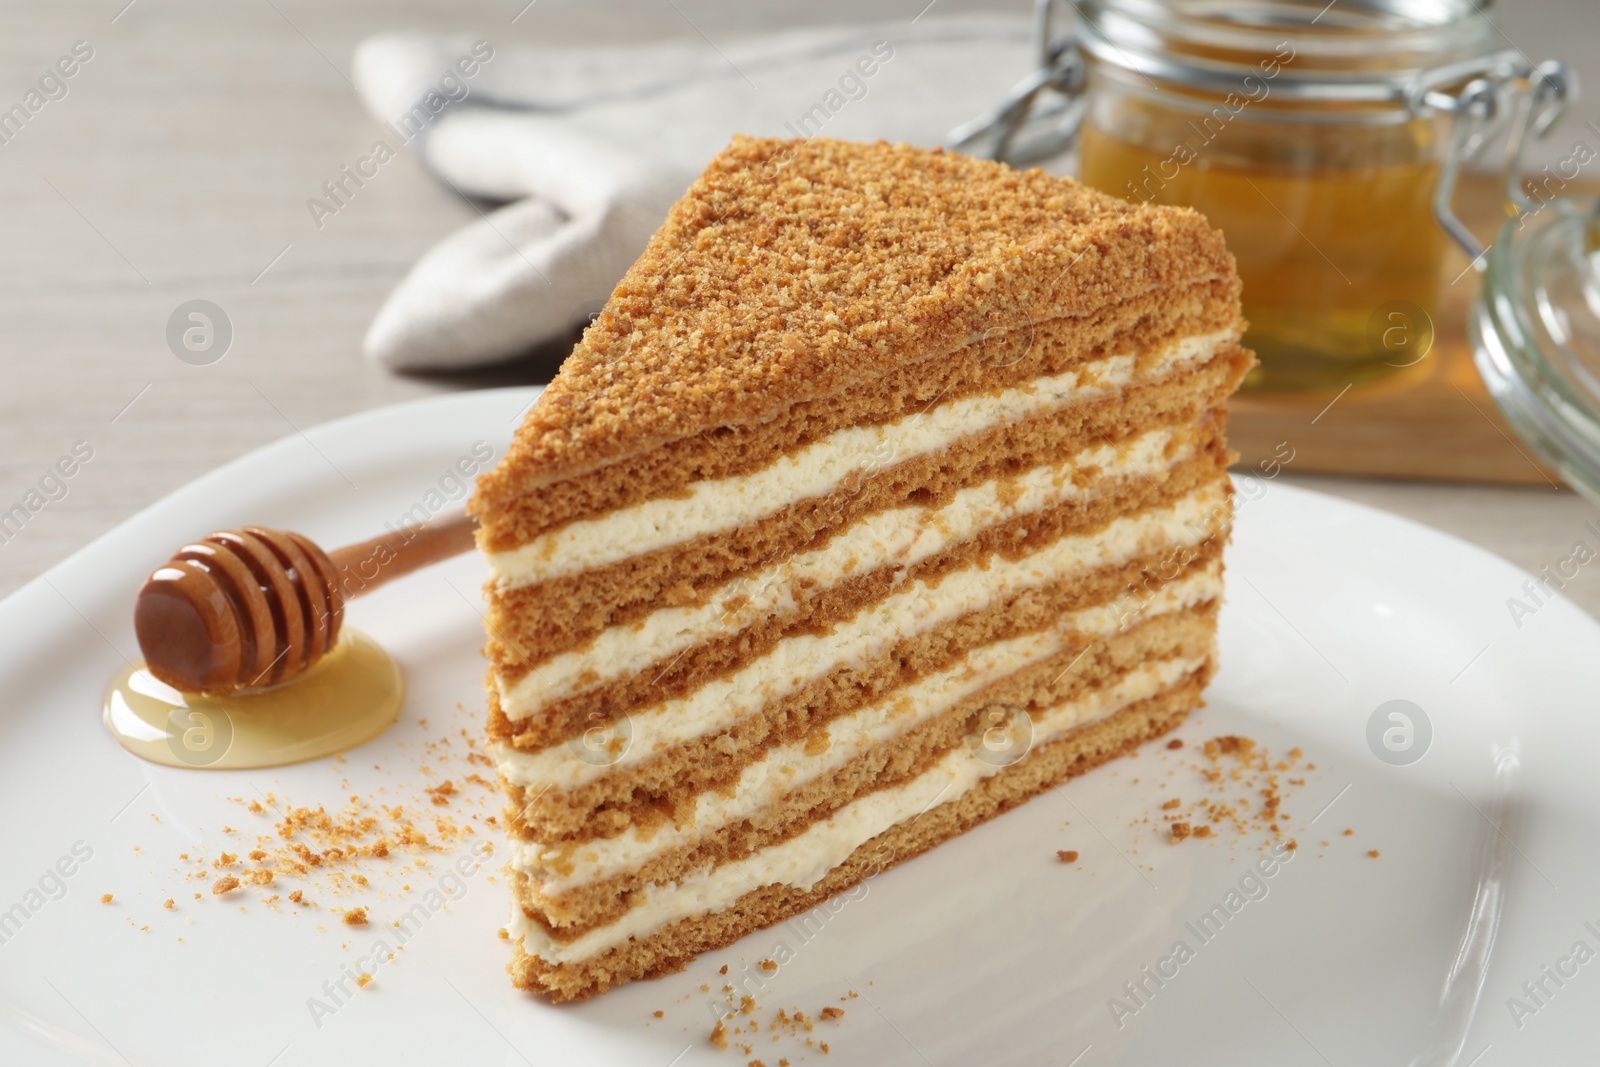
[(1146, 324), (769, 599), (673, 946), (581, 885), (606, 800), (529, 623), (539, 715)]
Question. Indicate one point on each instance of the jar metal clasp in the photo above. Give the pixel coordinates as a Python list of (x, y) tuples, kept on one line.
[(1504, 92), (1019, 130)]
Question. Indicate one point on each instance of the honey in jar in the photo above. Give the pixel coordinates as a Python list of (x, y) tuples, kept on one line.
[(1333, 259), (1306, 133)]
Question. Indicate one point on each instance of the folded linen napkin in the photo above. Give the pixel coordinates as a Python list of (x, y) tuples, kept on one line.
[(592, 146)]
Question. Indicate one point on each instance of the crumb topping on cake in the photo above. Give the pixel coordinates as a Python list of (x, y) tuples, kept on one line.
[(793, 269)]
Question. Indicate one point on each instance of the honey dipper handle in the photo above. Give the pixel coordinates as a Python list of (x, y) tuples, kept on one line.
[(365, 566)]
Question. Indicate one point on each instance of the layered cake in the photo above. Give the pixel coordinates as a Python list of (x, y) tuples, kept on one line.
[(887, 491)]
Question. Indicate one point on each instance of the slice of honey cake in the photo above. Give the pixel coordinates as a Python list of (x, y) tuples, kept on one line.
[(888, 490)]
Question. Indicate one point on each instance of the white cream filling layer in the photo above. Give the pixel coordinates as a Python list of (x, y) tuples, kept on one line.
[(918, 607), (783, 769), (805, 859), (903, 536), (818, 469)]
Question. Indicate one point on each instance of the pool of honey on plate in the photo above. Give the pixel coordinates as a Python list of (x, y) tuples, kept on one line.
[(351, 696), (1332, 226)]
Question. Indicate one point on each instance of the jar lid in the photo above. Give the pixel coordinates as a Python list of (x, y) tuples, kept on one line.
[(1535, 334)]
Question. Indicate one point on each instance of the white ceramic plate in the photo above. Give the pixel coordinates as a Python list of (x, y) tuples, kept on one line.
[(986, 951)]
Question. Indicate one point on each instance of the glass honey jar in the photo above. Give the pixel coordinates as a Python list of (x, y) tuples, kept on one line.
[(1323, 138)]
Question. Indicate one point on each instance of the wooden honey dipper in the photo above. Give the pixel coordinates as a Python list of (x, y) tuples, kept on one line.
[(246, 609)]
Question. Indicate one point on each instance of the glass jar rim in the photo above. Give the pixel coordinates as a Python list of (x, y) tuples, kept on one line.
[(1377, 53)]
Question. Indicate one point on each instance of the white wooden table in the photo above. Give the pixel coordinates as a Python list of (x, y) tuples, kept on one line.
[(177, 167)]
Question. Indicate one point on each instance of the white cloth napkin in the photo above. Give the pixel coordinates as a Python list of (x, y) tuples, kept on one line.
[(592, 146)]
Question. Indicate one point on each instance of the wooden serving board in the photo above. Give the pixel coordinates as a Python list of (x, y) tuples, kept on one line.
[(1434, 420)]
